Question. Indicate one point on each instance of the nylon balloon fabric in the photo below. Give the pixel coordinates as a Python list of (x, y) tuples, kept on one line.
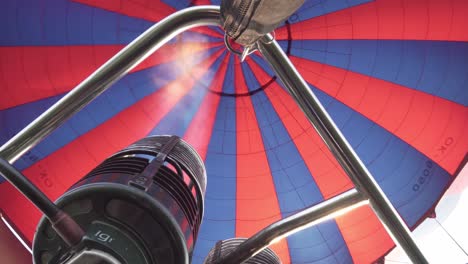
[(392, 74)]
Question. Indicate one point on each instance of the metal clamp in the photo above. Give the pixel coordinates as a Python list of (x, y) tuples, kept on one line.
[(242, 54), (145, 179)]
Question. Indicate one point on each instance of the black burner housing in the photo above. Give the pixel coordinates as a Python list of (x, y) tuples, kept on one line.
[(142, 205)]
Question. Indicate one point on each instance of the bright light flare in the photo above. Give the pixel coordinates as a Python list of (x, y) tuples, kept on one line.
[(322, 219), (12, 230)]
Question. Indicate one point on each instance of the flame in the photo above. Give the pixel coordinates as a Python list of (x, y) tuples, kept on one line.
[(184, 57)]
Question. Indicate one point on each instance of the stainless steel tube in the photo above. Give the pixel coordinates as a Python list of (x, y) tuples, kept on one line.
[(295, 223), (107, 74), (336, 142)]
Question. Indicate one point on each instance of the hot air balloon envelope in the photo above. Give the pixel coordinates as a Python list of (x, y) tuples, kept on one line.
[(391, 74)]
